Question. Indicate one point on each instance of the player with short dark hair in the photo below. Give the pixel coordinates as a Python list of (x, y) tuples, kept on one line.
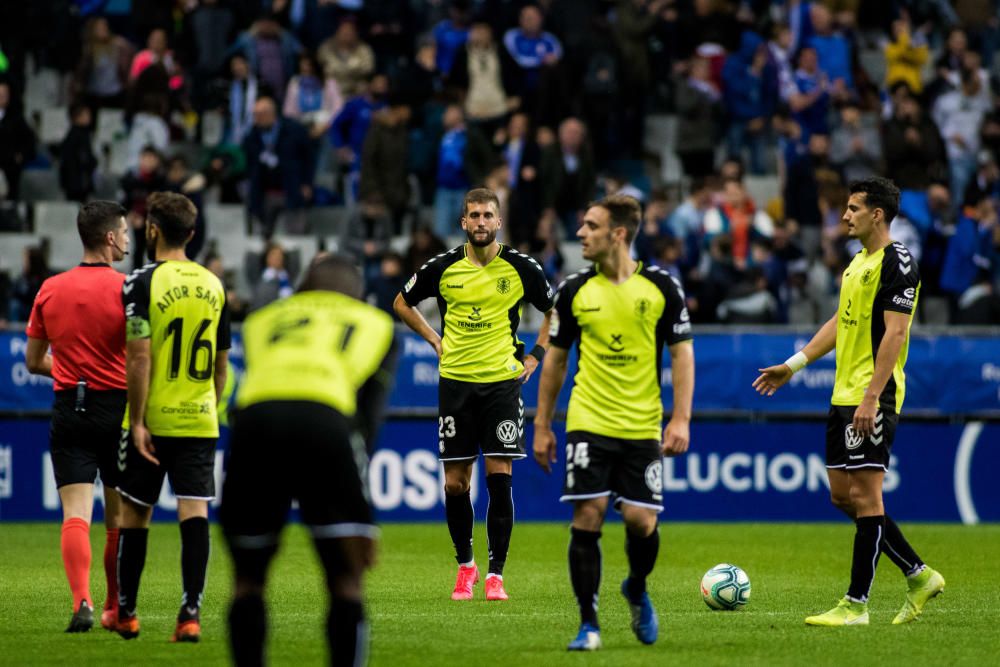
[(870, 333), (619, 313), (480, 288), (177, 328), (78, 314), (318, 369)]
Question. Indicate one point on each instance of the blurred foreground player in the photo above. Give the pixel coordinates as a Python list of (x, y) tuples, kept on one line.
[(619, 313), (318, 369), (871, 333), (78, 313), (177, 330)]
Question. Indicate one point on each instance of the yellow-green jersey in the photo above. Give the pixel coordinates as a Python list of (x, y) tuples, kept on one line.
[(873, 283), (181, 308), (480, 310), (316, 346), (621, 330)]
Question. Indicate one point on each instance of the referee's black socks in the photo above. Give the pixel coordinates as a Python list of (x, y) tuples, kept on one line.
[(867, 545), (131, 560), (499, 519), (585, 571), (458, 512), (641, 552), (194, 564)]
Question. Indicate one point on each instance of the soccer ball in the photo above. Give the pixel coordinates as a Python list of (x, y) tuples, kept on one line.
[(725, 587)]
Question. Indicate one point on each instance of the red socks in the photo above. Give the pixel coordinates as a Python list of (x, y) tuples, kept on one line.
[(110, 565), (75, 544)]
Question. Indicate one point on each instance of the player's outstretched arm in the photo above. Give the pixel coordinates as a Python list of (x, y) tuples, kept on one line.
[(137, 368), (773, 378), (677, 433), (553, 376), (414, 319)]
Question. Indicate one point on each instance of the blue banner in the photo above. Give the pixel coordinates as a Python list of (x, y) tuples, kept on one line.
[(945, 376), (735, 471)]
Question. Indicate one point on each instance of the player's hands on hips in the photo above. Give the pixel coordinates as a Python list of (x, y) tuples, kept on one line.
[(864, 416), (771, 379), (436, 344), (545, 447), (676, 436), (143, 441), (530, 364)]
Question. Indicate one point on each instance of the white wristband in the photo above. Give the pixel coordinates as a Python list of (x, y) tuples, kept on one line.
[(797, 361)]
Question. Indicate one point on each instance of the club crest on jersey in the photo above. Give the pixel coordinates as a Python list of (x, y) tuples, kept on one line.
[(866, 277), (503, 285), (654, 476), (642, 307), (475, 315), (616, 344), (852, 440)]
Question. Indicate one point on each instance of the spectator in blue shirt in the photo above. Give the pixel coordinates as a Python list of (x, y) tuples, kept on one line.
[(810, 99), (463, 160), (832, 50), (532, 49), (451, 34), (750, 95), (349, 128)]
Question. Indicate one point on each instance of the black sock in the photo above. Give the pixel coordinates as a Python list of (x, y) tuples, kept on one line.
[(641, 552), (867, 543), (248, 630), (499, 520), (347, 632), (585, 571), (131, 560), (899, 551), (194, 563), (458, 510)]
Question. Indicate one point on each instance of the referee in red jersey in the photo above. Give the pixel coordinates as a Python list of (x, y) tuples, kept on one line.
[(79, 315)]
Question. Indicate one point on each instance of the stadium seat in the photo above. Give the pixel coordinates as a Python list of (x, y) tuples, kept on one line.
[(42, 89), (933, 310), (12, 247), (327, 220), (110, 127), (53, 124), (660, 134), (225, 220), (56, 218), (573, 260), (213, 125), (40, 185), (763, 188)]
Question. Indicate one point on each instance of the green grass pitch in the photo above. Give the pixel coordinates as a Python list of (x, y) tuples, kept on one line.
[(796, 570)]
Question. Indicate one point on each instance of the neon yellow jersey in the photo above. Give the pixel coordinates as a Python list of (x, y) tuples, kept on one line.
[(872, 284), (313, 346), (621, 330), (480, 310), (181, 308)]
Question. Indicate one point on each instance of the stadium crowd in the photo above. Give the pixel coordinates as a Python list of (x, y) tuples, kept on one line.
[(394, 110)]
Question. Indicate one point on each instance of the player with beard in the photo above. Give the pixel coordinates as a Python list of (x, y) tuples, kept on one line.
[(177, 333), (480, 287)]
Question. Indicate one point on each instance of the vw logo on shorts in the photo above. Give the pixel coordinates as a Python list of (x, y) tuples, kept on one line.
[(654, 476), (851, 439), (507, 432)]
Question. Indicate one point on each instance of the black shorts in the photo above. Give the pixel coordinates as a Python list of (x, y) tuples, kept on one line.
[(474, 415), (189, 463), (83, 443), (282, 451), (847, 451), (630, 471)]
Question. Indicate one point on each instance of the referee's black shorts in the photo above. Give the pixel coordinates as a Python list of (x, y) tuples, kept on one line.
[(294, 450), (83, 442)]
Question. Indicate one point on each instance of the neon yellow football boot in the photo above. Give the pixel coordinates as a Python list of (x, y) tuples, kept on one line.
[(922, 587), (845, 613)]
